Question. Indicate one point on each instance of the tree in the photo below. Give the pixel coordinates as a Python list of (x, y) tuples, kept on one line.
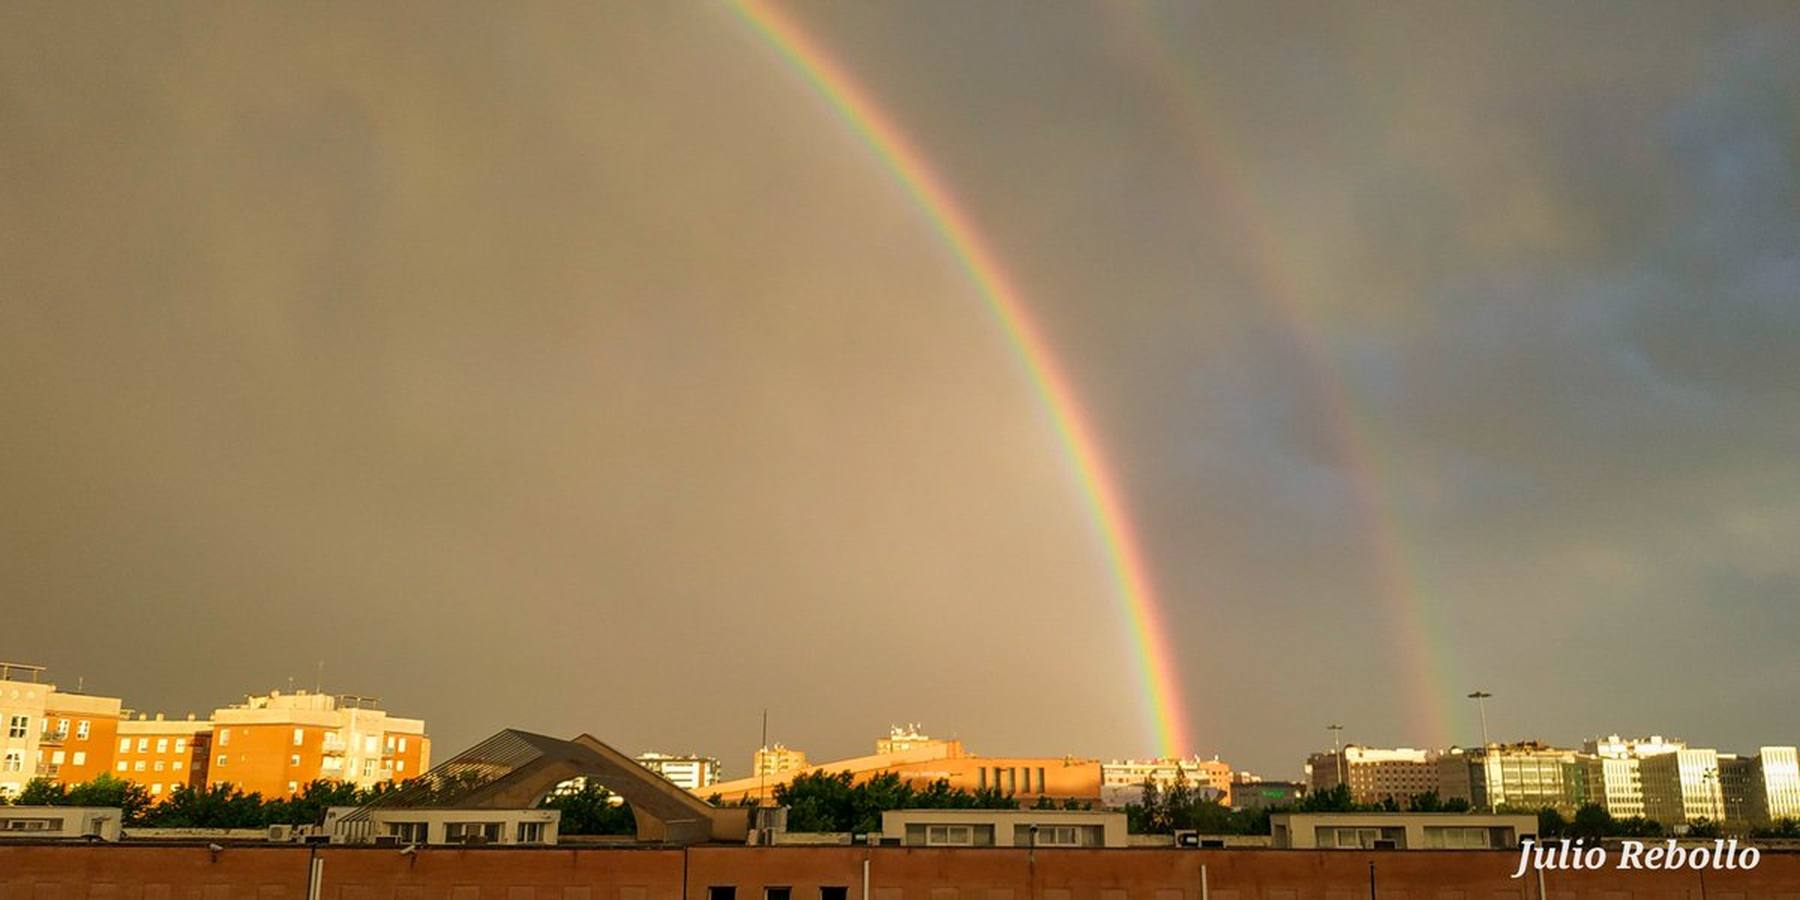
[(132, 799), (1592, 821), (1337, 799), (43, 792), (219, 806), (591, 810), (1551, 823)]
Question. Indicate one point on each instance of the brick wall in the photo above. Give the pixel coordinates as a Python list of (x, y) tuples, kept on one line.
[(258, 872)]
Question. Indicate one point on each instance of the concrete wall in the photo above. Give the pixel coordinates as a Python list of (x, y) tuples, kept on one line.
[(125, 872)]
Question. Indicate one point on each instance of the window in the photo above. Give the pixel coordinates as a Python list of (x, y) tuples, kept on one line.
[(389, 743), (368, 768), (80, 758), (14, 762), (143, 745), (162, 745), (156, 789), (123, 765), (124, 745), (293, 787), (62, 729), (530, 833), (408, 832), (81, 730), (403, 745), (400, 766), (294, 760), (781, 892), (158, 767), (833, 892), (721, 892), (472, 832), (221, 761), (224, 737), (299, 736), (176, 765), (370, 745), (18, 726), (57, 758), (949, 835), (181, 745), (138, 766)]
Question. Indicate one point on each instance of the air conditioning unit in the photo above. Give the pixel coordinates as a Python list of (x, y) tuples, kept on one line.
[(281, 833), (1387, 844), (387, 840), (1187, 838)]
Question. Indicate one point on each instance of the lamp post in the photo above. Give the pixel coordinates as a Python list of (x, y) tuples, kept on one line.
[(1480, 698), (1337, 752)]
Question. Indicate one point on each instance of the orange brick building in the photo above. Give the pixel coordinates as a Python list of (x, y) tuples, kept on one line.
[(163, 754), (77, 742), (273, 744)]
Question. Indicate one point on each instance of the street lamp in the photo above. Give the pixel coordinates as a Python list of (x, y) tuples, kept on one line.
[(1337, 752), (1480, 698)]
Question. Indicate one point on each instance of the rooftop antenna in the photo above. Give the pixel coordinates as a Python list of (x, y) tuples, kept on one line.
[(762, 770), (319, 677)]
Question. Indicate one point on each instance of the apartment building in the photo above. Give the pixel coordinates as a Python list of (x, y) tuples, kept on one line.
[(776, 759), (65, 736), (274, 743), (1375, 774), (163, 754), (1682, 786), (691, 772)]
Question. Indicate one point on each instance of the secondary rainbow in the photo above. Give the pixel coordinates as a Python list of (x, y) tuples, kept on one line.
[(914, 174), (1418, 633)]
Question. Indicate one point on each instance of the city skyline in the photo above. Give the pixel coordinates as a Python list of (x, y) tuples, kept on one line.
[(1155, 377)]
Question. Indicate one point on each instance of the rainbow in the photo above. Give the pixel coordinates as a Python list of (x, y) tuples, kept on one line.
[(1161, 689), (1427, 668)]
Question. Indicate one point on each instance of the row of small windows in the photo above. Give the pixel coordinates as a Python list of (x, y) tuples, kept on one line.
[(143, 745), (18, 727), (138, 766)]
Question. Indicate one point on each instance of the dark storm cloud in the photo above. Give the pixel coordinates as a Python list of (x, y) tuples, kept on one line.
[(573, 368)]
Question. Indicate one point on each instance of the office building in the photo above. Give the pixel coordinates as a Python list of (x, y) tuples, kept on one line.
[(1615, 784), (930, 760), (1525, 775), (1682, 786), (1266, 794), (1774, 785), (1122, 781)]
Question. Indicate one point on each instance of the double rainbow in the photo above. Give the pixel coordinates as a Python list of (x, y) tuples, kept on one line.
[(1161, 690)]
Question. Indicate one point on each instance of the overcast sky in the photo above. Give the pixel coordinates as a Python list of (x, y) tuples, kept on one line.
[(575, 368)]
